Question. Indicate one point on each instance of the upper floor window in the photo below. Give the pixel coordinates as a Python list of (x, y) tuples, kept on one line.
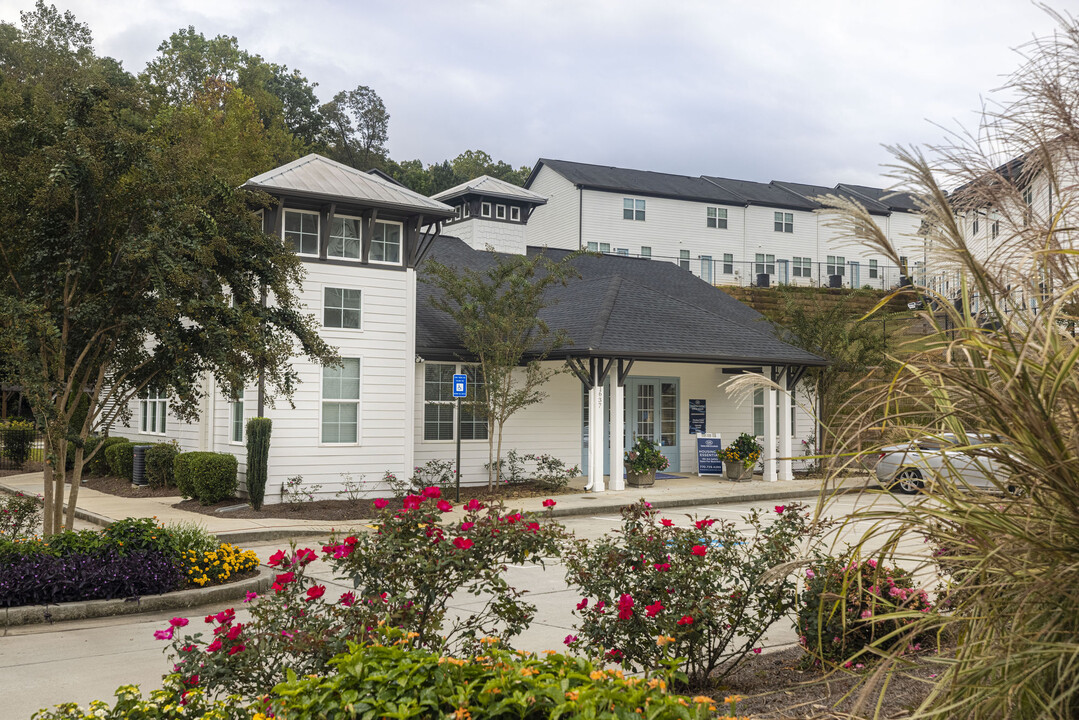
[(765, 264), (386, 243), (301, 231), (341, 308), (458, 211), (646, 252), (717, 218), (500, 212), (994, 229), (836, 264), (468, 209), (345, 234), (803, 267), (485, 209), (515, 214), (784, 222), (874, 270), (974, 226), (153, 407), (632, 209), (621, 251), (683, 259)]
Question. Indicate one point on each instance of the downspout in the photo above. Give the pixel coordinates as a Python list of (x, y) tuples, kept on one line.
[(580, 217)]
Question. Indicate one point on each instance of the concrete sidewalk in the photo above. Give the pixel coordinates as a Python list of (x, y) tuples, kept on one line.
[(683, 491)]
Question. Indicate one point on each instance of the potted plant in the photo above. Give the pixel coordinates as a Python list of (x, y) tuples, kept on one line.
[(740, 457), (642, 462)]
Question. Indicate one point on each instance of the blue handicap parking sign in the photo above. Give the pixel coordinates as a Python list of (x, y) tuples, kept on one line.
[(460, 385)]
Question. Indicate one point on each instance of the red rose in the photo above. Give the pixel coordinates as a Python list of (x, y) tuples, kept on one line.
[(444, 506), (666, 523), (699, 550), (462, 543), (549, 503), (381, 503), (686, 620), (315, 591), (653, 609), (432, 492)]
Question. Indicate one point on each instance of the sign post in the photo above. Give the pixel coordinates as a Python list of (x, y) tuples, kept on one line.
[(460, 390)]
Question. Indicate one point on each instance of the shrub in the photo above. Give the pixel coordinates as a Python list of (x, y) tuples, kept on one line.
[(16, 440), (99, 464), (838, 612), (207, 476), (645, 457), (552, 472), (159, 465), (121, 459), (654, 591), (258, 455), (439, 473), (43, 579), (161, 704), (135, 534), (295, 493), (19, 516)]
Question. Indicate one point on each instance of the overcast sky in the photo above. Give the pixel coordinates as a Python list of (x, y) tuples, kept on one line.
[(788, 90)]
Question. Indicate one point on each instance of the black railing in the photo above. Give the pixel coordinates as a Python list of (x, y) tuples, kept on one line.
[(20, 446)]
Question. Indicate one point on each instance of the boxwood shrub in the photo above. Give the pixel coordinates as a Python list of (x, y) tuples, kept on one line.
[(99, 465), (207, 476), (121, 459), (160, 471)]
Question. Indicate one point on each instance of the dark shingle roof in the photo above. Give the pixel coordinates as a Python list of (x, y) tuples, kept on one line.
[(809, 192), (642, 182), (768, 194), (895, 201), (624, 307)]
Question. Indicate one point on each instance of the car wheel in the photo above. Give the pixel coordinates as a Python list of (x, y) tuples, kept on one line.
[(908, 481)]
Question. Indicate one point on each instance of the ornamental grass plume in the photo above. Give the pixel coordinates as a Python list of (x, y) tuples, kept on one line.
[(998, 386)]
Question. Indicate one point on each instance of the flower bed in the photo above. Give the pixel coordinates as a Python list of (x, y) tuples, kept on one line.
[(129, 558)]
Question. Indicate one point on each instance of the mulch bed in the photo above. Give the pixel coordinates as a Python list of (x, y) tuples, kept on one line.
[(124, 488), (778, 686), (30, 467), (361, 509)]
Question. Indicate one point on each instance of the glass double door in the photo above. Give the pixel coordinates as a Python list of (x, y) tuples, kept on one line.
[(651, 411)]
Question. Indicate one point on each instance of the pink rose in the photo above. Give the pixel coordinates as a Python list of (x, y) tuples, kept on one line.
[(381, 503)]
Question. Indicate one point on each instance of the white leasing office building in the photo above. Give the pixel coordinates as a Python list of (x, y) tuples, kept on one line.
[(646, 336)]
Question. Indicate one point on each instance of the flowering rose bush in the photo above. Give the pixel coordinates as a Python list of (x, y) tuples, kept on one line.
[(654, 591), (837, 613), (19, 516)]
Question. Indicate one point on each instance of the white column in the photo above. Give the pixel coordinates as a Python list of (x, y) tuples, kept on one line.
[(786, 465), (595, 433), (769, 434), (593, 440), (618, 432)]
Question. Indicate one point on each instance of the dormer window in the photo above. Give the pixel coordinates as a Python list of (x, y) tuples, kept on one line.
[(301, 231), (485, 209), (500, 212), (515, 214)]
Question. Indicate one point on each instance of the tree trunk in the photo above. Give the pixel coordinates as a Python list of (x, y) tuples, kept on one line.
[(46, 517), (490, 450), (73, 497)]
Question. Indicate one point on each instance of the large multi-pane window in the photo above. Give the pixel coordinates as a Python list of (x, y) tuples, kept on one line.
[(439, 404), (836, 265), (803, 267), (345, 234), (341, 402), (632, 209), (716, 218), (765, 264), (341, 308), (153, 407), (386, 243), (301, 231), (784, 222), (236, 418)]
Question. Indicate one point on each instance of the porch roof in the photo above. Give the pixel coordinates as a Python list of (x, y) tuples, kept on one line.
[(624, 307)]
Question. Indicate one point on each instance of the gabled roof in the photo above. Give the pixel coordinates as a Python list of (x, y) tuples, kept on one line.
[(895, 201), (491, 187), (809, 192), (768, 194), (320, 178), (624, 307), (641, 182)]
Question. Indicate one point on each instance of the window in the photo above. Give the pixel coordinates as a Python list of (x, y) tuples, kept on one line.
[(301, 231), (706, 268), (717, 218), (468, 209), (458, 211), (341, 402), (341, 308), (500, 212), (903, 264), (994, 229), (683, 259), (485, 209), (758, 412), (1028, 200), (345, 237), (974, 227), (873, 269), (621, 251), (765, 265), (593, 247), (646, 252), (728, 263), (784, 222), (236, 418), (439, 404), (386, 243), (153, 407), (515, 214), (836, 264), (605, 248), (632, 209), (803, 267)]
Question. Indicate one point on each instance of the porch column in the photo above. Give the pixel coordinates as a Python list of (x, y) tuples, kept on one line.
[(595, 428), (769, 453), (786, 465), (618, 430)]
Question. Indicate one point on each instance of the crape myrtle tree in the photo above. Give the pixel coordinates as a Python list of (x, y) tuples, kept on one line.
[(128, 264), (497, 309)]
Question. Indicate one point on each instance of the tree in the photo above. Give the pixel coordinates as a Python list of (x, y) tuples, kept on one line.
[(131, 261), (357, 127), (497, 311)]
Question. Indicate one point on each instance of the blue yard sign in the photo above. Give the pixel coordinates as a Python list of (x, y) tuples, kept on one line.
[(460, 385)]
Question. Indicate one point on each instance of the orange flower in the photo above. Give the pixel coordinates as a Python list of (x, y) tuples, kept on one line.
[(571, 695)]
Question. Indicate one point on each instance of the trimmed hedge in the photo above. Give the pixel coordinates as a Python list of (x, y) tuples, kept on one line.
[(99, 465), (121, 459), (258, 453), (207, 476), (160, 470)]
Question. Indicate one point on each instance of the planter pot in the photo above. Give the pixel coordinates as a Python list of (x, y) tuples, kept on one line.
[(637, 479), (737, 472)]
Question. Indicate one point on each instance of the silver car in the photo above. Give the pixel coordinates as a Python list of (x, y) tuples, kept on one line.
[(907, 468)]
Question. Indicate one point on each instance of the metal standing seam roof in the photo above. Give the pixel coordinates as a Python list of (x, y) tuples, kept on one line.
[(623, 307), (493, 187), (317, 176)]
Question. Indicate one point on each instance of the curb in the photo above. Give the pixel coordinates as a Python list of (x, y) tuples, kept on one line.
[(34, 614), (90, 517)]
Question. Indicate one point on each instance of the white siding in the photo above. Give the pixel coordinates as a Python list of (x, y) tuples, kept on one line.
[(556, 223), (479, 233)]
